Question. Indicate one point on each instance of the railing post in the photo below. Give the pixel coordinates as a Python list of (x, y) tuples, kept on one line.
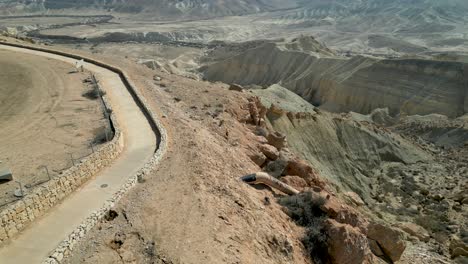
[(72, 160), (47, 171)]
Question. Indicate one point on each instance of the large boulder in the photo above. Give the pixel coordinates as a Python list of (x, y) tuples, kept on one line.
[(302, 169), (277, 140), (354, 198), (5, 175), (258, 158), (236, 87), (415, 231), (270, 151), (257, 111), (295, 181), (458, 248), (276, 168), (390, 240), (347, 245), (337, 210)]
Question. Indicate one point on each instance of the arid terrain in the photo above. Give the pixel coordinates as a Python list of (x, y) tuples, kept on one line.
[(359, 108), (45, 119)]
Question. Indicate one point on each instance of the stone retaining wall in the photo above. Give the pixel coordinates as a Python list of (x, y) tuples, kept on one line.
[(40, 199), (66, 246)]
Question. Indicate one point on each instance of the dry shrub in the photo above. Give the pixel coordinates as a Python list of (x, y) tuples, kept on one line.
[(304, 209)]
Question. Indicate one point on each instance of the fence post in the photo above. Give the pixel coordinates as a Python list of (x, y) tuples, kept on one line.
[(47, 171), (104, 107), (21, 188), (71, 157)]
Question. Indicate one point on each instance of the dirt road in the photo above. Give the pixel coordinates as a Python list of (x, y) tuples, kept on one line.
[(34, 244)]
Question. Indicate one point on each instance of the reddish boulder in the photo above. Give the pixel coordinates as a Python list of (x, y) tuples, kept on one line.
[(257, 110), (277, 140), (269, 151), (390, 240), (347, 245), (342, 213), (295, 181), (258, 158), (300, 168)]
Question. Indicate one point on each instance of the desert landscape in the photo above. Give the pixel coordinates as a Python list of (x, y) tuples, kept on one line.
[(239, 132)]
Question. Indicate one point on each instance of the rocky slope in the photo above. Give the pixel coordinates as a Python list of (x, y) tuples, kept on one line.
[(360, 84), (411, 172), (368, 182)]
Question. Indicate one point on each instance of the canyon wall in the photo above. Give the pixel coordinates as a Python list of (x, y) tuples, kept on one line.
[(344, 151), (359, 84)]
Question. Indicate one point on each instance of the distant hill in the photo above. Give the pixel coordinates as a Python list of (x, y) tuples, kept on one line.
[(196, 8)]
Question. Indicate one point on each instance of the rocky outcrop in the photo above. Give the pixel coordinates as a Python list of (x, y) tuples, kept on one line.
[(390, 240), (347, 244), (458, 248), (341, 150), (416, 231)]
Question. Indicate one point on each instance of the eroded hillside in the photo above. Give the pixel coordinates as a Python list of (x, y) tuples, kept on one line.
[(360, 84), (164, 8)]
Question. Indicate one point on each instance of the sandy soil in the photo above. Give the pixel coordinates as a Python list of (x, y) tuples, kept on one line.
[(43, 118)]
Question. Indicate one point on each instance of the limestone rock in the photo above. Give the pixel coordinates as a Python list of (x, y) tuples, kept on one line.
[(257, 111), (416, 231), (270, 151), (277, 140), (458, 247), (236, 87), (375, 248), (6, 175), (302, 169), (389, 239), (342, 213), (347, 244), (276, 168), (295, 181), (258, 158), (354, 198)]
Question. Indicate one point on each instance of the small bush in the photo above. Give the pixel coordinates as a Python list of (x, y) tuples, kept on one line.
[(433, 222), (305, 209), (103, 135), (94, 93)]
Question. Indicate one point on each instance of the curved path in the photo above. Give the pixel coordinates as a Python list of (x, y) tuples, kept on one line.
[(35, 243)]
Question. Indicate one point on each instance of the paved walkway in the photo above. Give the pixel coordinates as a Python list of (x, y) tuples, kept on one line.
[(34, 244)]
